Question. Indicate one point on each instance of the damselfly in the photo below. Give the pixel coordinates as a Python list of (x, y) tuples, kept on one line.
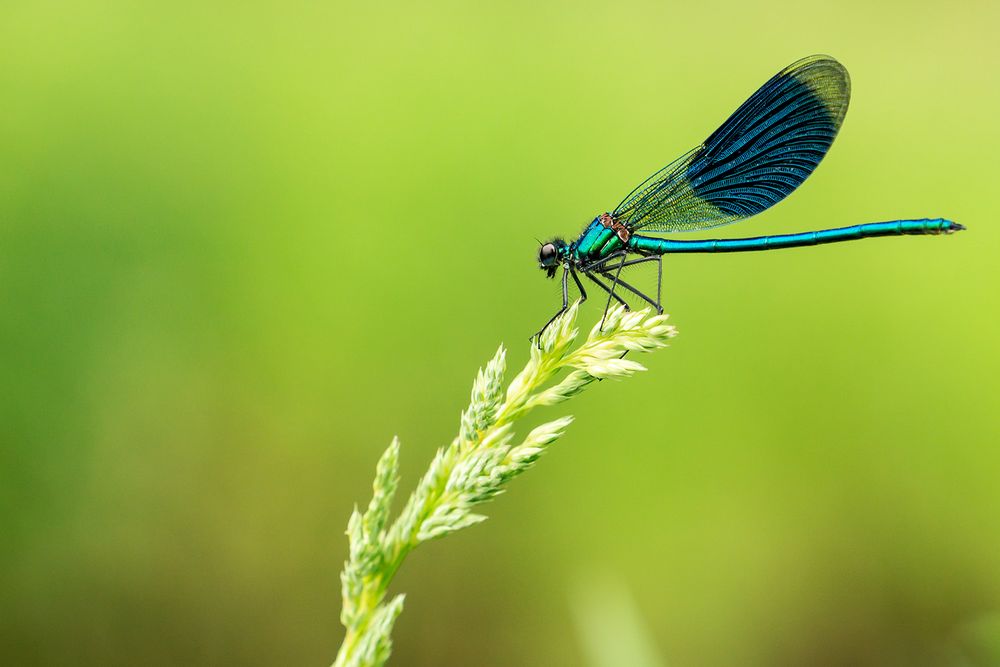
[(765, 150)]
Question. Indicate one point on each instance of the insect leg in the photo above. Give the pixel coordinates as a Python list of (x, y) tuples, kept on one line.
[(657, 304), (659, 285), (635, 291), (611, 292), (579, 285), (604, 261), (565, 302), (605, 288)]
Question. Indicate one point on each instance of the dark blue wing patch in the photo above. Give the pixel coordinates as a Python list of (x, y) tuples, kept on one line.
[(765, 150)]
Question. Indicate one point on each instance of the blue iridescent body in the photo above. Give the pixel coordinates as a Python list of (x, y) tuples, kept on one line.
[(765, 150)]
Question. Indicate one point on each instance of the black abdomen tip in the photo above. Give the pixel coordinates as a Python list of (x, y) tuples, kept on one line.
[(954, 227)]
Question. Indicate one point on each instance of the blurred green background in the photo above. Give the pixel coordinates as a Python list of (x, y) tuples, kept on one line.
[(243, 245)]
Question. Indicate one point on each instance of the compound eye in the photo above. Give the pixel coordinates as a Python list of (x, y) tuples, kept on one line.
[(547, 253)]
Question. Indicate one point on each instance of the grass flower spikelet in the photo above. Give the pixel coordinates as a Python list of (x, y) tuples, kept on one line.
[(477, 465)]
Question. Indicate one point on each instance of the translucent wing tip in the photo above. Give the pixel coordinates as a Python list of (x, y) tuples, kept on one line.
[(827, 78), (756, 158)]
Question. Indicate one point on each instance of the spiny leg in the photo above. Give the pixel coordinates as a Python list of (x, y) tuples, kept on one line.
[(600, 265), (606, 289), (579, 285), (565, 302), (658, 304), (635, 291), (659, 285), (611, 292)]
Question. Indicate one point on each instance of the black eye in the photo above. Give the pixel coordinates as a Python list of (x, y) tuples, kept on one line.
[(547, 252)]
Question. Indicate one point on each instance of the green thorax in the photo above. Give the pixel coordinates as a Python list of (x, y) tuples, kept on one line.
[(596, 241)]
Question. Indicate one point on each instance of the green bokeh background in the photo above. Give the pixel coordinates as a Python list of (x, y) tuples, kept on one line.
[(243, 245)]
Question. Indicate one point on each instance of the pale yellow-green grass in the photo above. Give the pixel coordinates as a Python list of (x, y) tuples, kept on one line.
[(477, 465)]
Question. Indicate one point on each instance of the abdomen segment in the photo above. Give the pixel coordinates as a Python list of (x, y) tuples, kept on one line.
[(654, 246)]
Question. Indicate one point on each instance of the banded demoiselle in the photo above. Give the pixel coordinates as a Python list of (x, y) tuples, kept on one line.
[(765, 150)]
